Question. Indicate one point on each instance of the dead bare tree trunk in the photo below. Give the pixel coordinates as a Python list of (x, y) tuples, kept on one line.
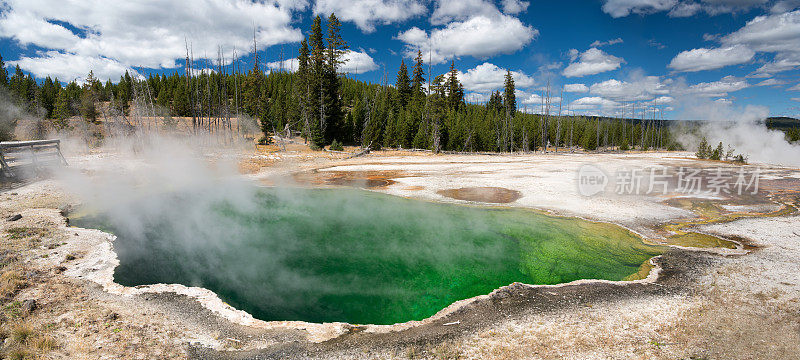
[(189, 88), (558, 120)]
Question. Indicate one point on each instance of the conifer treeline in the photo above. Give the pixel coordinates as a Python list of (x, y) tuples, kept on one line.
[(320, 103)]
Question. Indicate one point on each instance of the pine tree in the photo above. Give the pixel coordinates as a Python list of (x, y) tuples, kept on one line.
[(63, 110), (180, 96), (703, 150), (47, 97), (334, 54), (18, 85), (495, 103), (3, 73), (439, 104), (251, 87), (31, 89), (455, 93), (418, 77), (107, 90), (89, 99), (718, 152), (74, 93), (509, 95), (403, 85), (163, 99), (510, 107), (304, 88), (318, 94), (793, 134), (123, 94), (375, 121), (337, 47)]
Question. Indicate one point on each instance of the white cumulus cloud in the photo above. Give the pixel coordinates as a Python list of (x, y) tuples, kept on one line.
[(598, 43), (590, 62), (719, 88), (355, 62), (621, 8), (149, 34), (358, 62), (514, 6), (778, 33), (708, 59), (488, 77), (459, 10), (771, 82), (638, 88), (479, 36), (593, 102), (535, 100), (576, 88), (290, 65), (69, 67), (367, 13), (785, 6), (685, 8), (772, 33)]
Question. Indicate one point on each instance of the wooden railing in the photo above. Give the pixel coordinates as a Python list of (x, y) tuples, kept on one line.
[(35, 154)]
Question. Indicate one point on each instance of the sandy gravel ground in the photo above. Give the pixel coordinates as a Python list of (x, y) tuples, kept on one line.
[(743, 307), (707, 303)]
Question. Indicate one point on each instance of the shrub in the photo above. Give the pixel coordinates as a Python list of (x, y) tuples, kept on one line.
[(336, 146), (265, 140), (170, 123)]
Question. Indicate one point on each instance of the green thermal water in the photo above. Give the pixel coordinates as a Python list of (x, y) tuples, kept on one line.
[(355, 256)]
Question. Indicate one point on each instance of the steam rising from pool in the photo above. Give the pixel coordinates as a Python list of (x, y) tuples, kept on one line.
[(287, 253), (356, 256)]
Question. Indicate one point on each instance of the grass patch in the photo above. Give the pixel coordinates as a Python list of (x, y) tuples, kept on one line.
[(22, 334), (12, 310), (18, 354), (45, 343), (447, 350), (10, 283), (26, 342), (18, 233)]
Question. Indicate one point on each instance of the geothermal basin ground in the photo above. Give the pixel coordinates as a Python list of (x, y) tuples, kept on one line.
[(724, 282)]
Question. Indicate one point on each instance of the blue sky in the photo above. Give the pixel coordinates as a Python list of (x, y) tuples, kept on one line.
[(690, 59)]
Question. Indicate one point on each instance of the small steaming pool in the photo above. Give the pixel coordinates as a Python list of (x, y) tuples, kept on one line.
[(325, 255)]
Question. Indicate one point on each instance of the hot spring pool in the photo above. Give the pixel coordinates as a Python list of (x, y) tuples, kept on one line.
[(325, 255)]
